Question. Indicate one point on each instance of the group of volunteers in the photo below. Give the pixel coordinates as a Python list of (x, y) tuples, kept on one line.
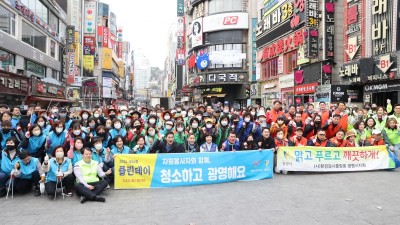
[(60, 149)]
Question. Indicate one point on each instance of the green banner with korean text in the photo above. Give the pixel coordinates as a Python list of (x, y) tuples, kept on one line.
[(324, 159)]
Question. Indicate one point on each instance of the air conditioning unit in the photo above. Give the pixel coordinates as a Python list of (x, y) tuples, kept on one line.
[(11, 69)]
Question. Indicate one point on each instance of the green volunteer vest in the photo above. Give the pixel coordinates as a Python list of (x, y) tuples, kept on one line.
[(89, 171)]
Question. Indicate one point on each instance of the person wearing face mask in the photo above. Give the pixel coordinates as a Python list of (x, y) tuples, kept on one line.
[(199, 116), (27, 172), (152, 120), (65, 118), (111, 114), (75, 132), (166, 116), (280, 124), (190, 115), (102, 133), (194, 128), (141, 147), (92, 125), (261, 120), (9, 157), (223, 130), (280, 139), (84, 114), (35, 142), (151, 136), (180, 136), (144, 115), (128, 124), (380, 118), (201, 108), (168, 145), (75, 151), (54, 113), (117, 129), (226, 111), (59, 166), (42, 122), (248, 128), (249, 143), (236, 123), (57, 137), (134, 132), (312, 126), (99, 117), (6, 132), (168, 127)]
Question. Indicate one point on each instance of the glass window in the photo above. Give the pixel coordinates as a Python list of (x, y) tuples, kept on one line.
[(220, 37), (53, 22), (269, 69), (54, 74), (7, 21), (53, 49), (36, 69), (42, 11), (6, 59), (62, 30), (219, 65), (33, 37), (218, 6), (290, 61)]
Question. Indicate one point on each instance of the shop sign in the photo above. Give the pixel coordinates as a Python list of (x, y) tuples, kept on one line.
[(292, 10), (312, 13), (341, 93), (89, 45), (223, 78), (311, 43), (381, 26), (382, 87), (305, 88), (13, 84), (352, 47), (198, 11), (384, 63), (350, 70), (371, 69), (269, 86), (180, 8), (270, 5), (285, 44), (47, 89), (329, 50), (286, 81), (70, 34)]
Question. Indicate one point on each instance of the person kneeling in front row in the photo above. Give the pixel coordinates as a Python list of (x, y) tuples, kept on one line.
[(87, 172)]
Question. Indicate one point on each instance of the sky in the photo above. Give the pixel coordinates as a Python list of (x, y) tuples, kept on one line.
[(146, 25)]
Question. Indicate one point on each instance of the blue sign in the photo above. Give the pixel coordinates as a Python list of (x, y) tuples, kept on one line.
[(202, 60)]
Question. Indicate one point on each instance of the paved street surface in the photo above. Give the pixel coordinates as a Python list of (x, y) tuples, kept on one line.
[(335, 198)]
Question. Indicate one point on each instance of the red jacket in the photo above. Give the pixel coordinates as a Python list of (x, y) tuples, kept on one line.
[(338, 143), (297, 142), (272, 115), (376, 143), (331, 130)]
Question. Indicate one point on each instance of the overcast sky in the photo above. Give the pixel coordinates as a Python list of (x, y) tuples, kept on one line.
[(146, 25)]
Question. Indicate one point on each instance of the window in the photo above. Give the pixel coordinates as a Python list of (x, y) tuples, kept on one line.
[(269, 69), (6, 59), (7, 21), (53, 49), (53, 22), (217, 6), (38, 8), (36, 69), (62, 30), (54, 74), (33, 37), (290, 61), (219, 61), (221, 37)]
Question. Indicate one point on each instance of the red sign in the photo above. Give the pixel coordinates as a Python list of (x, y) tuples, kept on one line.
[(89, 45), (231, 20), (352, 15), (284, 44), (14, 84), (192, 61), (305, 88), (106, 36), (120, 50)]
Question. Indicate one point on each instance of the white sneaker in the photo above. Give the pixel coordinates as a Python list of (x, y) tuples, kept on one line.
[(108, 187), (276, 170), (285, 172)]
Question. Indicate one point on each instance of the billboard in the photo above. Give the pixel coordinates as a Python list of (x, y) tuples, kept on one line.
[(90, 17), (226, 21), (107, 58), (88, 65), (197, 32)]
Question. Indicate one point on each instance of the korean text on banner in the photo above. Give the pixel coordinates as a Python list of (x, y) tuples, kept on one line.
[(172, 170), (107, 58), (325, 159)]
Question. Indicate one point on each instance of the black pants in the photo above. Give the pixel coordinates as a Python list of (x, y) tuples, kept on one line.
[(82, 190), (25, 185), (68, 183)]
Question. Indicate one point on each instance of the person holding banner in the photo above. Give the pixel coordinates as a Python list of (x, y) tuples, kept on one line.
[(249, 143), (320, 140), (298, 139), (231, 144), (391, 135), (351, 139), (168, 145), (338, 140), (87, 172), (209, 146), (191, 145), (140, 147), (376, 138), (333, 125), (266, 141)]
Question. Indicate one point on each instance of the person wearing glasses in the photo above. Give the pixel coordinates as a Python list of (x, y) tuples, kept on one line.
[(320, 140)]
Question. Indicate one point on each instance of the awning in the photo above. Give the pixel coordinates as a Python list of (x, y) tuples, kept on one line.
[(33, 98)]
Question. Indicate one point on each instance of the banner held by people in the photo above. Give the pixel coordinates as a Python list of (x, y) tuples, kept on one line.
[(324, 159), (171, 170)]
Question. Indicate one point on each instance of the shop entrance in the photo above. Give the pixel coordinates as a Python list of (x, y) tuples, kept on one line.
[(381, 98)]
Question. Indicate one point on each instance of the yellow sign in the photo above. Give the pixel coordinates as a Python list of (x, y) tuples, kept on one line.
[(135, 165), (107, 58), (88, 65), (121, 69)]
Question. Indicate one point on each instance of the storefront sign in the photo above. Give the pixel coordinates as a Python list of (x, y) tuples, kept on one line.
[(329, 49), (351, 70), (28, 14), (305, 88), (270, 5), (70, 34), (352, 47), (202, 60), (312, 13), (180, 8), (196, 36), (386, 86), (341, 93), (384, 63), (13, 84), (382, 26), (371, 69), (311, 43), (226, 21), (269, 86), (90, 17), (107, 58), (286, 81), (284, 44), (44, 89), (89, 45), (119, 48), (292, 10), (223, 78), (88, 65), (198, 11)]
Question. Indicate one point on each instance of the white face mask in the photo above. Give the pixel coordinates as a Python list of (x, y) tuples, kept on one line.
[(183, 113), (127, 120), (55, 111), (246, 120), (96, 115), (36, 132), (158, 115), (199, 117), (117, 125), (195, 125), (76, 132), (124, 113), (179, 129), (151, 133), (224, 123), (253, 113), (59, 129), (226, 110), (261, 112), (98, 146), (279, 136), (168, 127), (59, 155), (152, 121), (41, 124), (85, 116), (262, 120), (209, 126), (190, 114), (167, 117)]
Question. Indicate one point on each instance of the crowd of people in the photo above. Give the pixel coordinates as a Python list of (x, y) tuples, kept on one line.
[(56, 148)]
